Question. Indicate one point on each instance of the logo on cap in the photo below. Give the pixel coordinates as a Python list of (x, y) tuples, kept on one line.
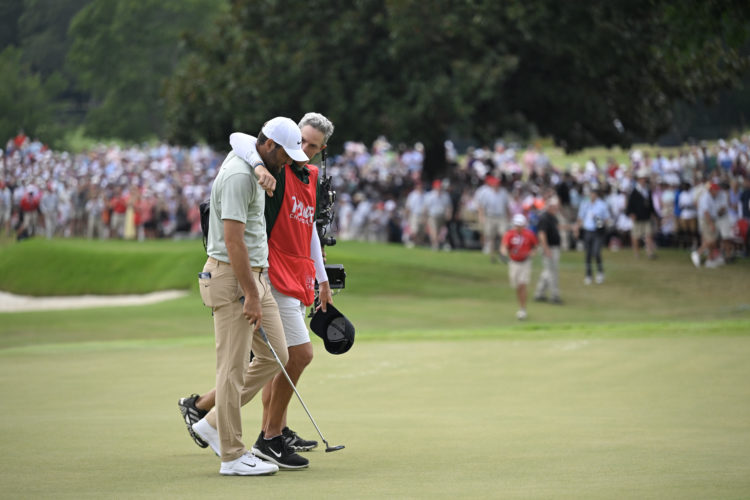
[(334, 328)]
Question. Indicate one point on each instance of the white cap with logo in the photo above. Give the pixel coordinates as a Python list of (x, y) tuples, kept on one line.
[(286, 133), (519, 220)]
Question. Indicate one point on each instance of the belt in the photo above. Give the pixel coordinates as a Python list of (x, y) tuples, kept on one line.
[(221, 263)]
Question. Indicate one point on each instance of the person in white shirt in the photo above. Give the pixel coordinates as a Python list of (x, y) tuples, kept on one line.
[(438, 208), (414, 207), (688, 221), (707, 216), (724, 223), (493, 208), (5, 208)]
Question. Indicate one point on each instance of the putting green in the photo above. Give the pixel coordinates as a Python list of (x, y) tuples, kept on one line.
[(486, 418)]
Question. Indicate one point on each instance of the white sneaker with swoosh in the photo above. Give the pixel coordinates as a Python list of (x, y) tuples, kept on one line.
[(247, 465)]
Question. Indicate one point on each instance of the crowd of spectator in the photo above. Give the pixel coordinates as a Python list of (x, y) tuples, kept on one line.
[(382, 197), (154, 191), (108, 192)]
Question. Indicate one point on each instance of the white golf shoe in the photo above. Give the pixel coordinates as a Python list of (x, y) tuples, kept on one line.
[(696, 258), (208, 434), (247, 465)]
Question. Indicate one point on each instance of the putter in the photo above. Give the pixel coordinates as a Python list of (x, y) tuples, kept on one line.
[(329, 448)]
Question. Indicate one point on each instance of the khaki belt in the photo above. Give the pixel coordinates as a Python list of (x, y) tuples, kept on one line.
[(221, 263)]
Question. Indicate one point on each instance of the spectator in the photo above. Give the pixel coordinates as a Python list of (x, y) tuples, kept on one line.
[(687, 223), (6, 205), (707, 217), (640, 209), (28, 223), (667, 219), (744, 221), (724, 222), (549, 239), (48, 205), (118, 204), (518, 244), (493, 207), (438, 210), (95, 208), (414, 208), (592, 219)]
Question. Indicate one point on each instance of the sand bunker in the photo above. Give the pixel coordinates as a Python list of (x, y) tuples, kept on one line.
[(18, 303)]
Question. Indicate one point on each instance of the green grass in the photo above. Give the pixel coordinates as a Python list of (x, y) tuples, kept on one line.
[(633, 389), (75, 267)]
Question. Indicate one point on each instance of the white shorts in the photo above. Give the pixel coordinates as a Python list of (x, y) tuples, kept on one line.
[(519, 272), (724, 225), (292, 312)]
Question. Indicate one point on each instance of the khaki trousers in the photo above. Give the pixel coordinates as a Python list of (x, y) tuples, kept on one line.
[(495, 226), (549, 278), (236, 380)]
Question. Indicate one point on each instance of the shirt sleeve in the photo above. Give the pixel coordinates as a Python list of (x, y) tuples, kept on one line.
[(237, 194), (243, 146), (506, 238), (317, 256)]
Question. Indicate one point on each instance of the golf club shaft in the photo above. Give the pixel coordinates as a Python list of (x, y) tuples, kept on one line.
[(268, 343)]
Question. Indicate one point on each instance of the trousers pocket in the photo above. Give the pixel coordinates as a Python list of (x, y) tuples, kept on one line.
[(204, 286)]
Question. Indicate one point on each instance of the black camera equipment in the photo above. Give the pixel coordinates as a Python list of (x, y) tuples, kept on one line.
[(326, 199)]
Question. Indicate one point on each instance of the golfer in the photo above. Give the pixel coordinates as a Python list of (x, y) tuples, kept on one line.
[(237, 257), (518, 244), (296, 262)]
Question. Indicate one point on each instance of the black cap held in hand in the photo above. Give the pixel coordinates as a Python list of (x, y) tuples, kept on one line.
[(334, 328)]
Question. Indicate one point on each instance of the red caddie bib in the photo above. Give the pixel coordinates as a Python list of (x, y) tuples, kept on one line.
[(290, 268)]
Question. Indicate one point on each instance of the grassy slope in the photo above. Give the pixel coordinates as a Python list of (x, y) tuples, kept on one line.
[(391, 292), (75, 267)]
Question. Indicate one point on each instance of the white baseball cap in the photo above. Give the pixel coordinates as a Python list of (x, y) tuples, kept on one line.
[(519, 220), (286, 133)]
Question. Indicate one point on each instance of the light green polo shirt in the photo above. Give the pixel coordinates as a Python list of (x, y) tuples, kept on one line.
[(236, 195)]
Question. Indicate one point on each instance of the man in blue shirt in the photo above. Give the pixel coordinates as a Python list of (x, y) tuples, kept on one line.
[(592, 218)]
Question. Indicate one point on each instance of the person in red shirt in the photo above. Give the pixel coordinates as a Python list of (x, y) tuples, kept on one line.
[(518, 245), (29, 213), (119, 205)]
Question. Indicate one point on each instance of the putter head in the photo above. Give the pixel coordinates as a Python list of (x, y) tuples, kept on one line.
[(334, 448)]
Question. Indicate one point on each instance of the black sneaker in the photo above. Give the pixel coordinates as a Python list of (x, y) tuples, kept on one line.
[(259, 441), (192, 414), (277, 451), (296, 442)]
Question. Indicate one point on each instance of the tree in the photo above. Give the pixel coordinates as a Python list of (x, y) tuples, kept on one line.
[(122, 52), (43, 28), (600, 72), (10, 12), (26, 99)]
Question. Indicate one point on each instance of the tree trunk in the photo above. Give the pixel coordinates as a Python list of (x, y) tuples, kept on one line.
[(434, 158)]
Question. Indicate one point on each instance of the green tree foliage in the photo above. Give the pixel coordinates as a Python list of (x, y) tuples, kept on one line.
[(598, 72), (10, 12), (25, 99), (43, 28), (122, 52)]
